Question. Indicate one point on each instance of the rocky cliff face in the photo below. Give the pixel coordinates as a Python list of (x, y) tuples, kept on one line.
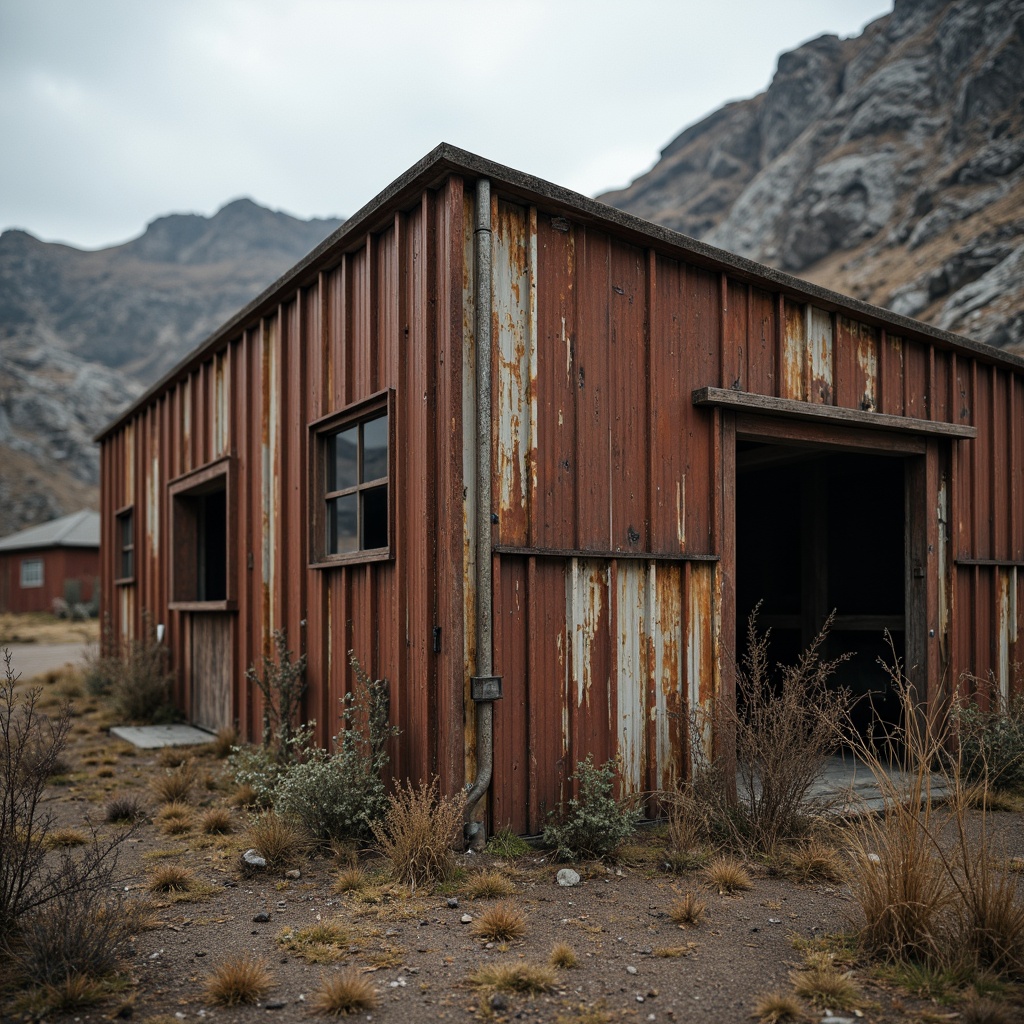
[(82, 334), (889, 167)]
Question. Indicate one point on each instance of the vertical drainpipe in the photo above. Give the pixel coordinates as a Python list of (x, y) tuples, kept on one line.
[(475, 831)]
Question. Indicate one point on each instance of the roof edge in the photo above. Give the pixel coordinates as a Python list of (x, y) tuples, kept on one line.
[(446, 159)]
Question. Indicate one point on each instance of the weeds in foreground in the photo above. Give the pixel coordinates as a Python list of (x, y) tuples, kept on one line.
[(65, 837), (278, 840), (563, 956), (350, 879), (507, 845), (688, 911), (345, 993), (175, 786), (125, 809), (488, 885), (418, 833), (173, 878), (815, 861), (728, 875), (320, 943), (217, 821), (500, 923), (526, 978), (141, 679), (674, 952), (243, 979), (826, 987), (981, 1010), (932, 888), (777, 1007)]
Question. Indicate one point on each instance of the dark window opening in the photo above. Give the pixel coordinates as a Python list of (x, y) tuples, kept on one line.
[(126, 544), (200, 531)]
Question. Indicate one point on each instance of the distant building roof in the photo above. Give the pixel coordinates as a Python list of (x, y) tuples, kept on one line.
[(78, 530)]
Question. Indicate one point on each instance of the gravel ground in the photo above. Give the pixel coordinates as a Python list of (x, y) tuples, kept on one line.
[(634, 962)]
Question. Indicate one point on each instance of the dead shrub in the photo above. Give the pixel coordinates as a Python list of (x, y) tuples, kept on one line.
[(786, 723), (500, 923), (690, 829), (31, 746), (347, 992), (243, 979), (418, 833), (278, 840), (141, 681)]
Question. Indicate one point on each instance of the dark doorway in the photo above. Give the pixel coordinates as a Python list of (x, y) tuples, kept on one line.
[(817, 531)]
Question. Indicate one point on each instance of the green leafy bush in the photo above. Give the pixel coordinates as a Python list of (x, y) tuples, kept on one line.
[(595, 822), (991, 743)]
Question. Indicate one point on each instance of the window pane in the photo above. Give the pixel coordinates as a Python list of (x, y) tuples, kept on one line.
[(375, 517), (126, 530), (375, 449), (342, 534), (341, 460), (127, 564), (32, 573)]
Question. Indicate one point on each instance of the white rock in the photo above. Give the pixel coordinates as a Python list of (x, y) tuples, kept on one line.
[(466, 918), (631, 969), (567, 877), (253, 859)]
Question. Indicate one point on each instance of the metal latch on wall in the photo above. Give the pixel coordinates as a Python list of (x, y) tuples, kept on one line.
[(485, 688)]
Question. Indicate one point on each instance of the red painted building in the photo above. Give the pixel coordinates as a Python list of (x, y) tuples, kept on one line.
[(492, 428), (59, 559)]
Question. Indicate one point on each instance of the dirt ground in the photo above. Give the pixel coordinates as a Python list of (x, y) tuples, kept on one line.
[(634, 962)]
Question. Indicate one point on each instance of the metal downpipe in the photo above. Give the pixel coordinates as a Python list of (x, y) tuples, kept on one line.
[(475, 831)]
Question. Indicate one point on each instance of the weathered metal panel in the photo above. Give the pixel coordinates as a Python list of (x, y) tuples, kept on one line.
[(632, 633), (820, 355), (793, 378), (514, 338), (553, 515)]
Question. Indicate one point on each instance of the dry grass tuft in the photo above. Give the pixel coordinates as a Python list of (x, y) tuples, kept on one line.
[(563, 956), (62, 838), (243, 979), (826, 987), (674, 952), (775, 1007), (245, 796), (175, 818), (280, 841), (981, 1010), (529, 979), (175, 785), (171, 757), (225, 739), (728, 875), (488, 885), (217, 821), (815, 861), (74, 992), (320, 943), (345, 993), (689, 909), (351, 879), (173, 878), (418, 832), (500, 923)]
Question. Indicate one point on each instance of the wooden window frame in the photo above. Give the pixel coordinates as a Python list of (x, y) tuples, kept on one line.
[(41, 562), (320, 431), (183, 540), (119, 516)]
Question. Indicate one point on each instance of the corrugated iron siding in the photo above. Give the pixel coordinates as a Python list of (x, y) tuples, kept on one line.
[(613, 492)]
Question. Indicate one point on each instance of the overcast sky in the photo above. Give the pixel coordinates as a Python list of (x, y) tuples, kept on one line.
[(113, 112)]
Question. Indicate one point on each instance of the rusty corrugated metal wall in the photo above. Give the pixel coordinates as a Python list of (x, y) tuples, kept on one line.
[(613, 491)]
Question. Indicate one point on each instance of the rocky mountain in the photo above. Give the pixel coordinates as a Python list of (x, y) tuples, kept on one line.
[(83, 333), (889, 166)]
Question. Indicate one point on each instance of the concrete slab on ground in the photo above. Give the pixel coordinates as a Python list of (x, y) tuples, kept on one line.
[(150, 737)]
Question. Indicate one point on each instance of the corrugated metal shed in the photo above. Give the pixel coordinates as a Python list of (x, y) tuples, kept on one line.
[(675, 434)]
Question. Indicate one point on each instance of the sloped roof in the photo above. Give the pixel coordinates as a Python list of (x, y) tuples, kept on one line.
[(78, 530)]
